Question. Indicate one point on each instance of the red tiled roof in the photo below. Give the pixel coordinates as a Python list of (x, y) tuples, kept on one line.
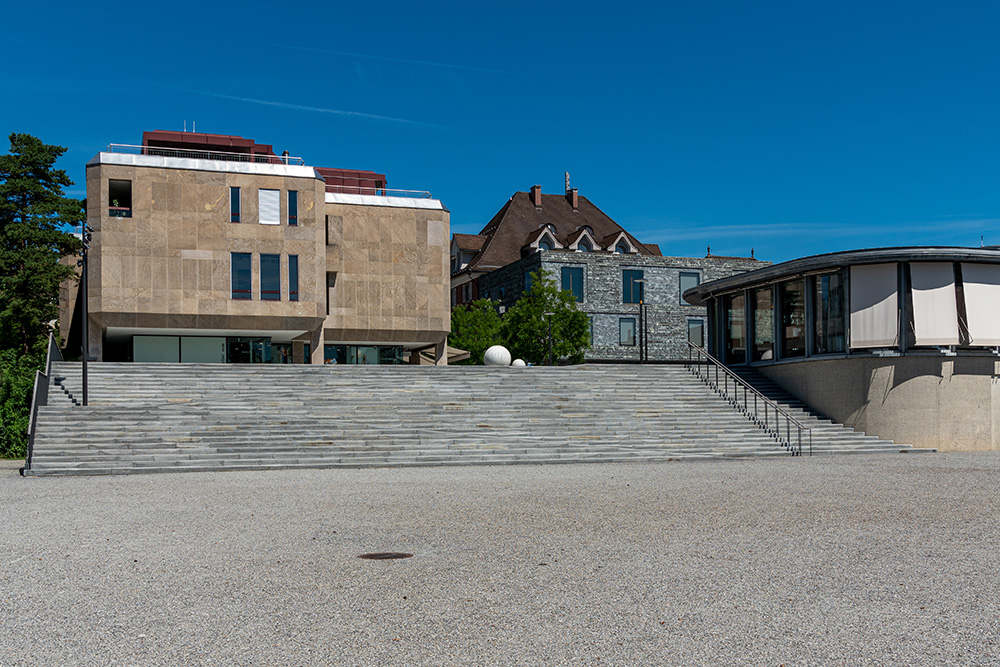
[(469, 241), (514, 224)]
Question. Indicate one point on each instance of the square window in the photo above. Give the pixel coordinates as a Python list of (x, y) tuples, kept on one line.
[(119, 199), (269, 210), (234, 204), (687, 281), (572, 281), (270, 277), (241, 275), (632, 286), (626, 331)]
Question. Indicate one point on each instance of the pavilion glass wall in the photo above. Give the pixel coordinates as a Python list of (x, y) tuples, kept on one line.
[(734, 328), (792, 295), (763, 324), (829, 308)]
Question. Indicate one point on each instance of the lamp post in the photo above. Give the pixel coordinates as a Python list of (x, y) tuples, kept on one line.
[(549, 316), (85, 338), (642, 320)]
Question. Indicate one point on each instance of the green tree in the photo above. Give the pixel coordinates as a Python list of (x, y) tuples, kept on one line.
[(527, 329), (34, 214), (475, 328), (33, 217)]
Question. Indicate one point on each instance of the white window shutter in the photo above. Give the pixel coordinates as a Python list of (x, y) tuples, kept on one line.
[(269, 206)]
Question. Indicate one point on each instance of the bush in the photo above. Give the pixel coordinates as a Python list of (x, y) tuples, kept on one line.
[(17, 381)]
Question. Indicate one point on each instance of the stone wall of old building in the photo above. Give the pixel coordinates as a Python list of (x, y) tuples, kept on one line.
[(667, 317)]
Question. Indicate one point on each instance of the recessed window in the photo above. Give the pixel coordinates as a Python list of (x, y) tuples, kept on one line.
[(632, 291), (696, 332), (293, 277), (572, 281), (270, 277), (234, 204), (293, 207), (269, 210), (240, 262), (527, 281), (119, 199), (687, 281), (626, 331), (331, 283)]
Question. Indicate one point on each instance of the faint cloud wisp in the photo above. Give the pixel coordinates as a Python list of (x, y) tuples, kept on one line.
[(302, 107)]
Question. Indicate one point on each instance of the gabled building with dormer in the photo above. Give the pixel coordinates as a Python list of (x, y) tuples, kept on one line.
[(629, 289)]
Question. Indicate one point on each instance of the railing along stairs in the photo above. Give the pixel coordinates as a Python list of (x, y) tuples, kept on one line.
[(759, 409), (40, 396)]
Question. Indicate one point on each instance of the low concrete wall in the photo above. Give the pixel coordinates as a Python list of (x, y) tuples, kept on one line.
[(949, 403)]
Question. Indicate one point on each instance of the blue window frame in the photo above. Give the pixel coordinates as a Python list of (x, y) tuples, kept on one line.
[(234, 204), (270, 277), (572, 281), (626, 331), (687, 280), (632, 291), (293, 277), (293, 207), (241, 275)]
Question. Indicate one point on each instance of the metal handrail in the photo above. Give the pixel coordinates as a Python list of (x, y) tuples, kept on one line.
[(199, 154), (743, 396), (380, 192), (40, 397)]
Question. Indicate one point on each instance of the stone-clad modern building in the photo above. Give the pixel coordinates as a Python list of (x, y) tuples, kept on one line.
[(630, 291), (211, 248)]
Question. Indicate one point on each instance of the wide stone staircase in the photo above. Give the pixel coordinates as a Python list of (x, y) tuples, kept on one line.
[(167, 418), (829, 437)]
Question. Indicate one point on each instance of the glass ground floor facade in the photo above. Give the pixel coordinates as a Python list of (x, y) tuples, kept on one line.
[(245, 350)]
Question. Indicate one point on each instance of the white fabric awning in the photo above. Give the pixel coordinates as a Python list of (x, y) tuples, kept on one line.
[(982, 302), (874, 314), (935, 310)]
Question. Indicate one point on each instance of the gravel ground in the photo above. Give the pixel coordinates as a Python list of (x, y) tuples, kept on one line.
[(851, 560)]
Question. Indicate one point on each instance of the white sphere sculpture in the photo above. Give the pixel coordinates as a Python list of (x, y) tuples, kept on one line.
[(518, 362), (497, 355)]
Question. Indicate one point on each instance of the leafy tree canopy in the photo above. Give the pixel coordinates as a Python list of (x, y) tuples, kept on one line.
[(475, 328), (527, 329), (33, 215)]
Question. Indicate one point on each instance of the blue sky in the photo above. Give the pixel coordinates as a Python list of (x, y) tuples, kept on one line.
[(788, 127)]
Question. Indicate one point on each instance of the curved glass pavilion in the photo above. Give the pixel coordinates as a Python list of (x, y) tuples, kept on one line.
[(885, 301), (903, 343)]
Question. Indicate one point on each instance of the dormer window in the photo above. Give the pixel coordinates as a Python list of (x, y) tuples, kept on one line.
[(584, 245), (544, 244), (622, 248)]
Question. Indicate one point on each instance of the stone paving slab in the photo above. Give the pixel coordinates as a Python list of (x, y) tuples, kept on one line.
[(862, 560)]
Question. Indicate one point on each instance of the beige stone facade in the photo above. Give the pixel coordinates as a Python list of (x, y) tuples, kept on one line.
[(377, 263)]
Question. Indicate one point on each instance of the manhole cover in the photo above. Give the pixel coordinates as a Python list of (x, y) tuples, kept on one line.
[(386, 555)]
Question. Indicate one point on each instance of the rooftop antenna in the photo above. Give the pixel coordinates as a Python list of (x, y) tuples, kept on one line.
[(751, 253), (193, 126), (981, 243), (567, 181), (185, 126)]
